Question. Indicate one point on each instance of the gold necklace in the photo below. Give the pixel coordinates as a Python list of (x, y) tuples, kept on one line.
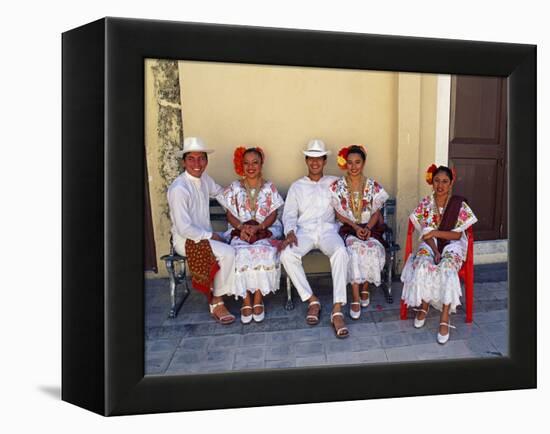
[(438, 211), (252, 194), (356, 198)]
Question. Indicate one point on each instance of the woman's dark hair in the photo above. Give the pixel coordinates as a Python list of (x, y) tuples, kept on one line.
[(357, 150), (258, 153), (445, 170)]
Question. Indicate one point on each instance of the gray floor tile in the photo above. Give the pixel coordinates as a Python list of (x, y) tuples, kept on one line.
[(347, 358), (254, 339), (319, 360), (367, 343), (340, 346), (273, 364), (280, 352), (394, 340), (303, 335), (256, 354), (372, 356), (400, 354), (275, 338), (195, 344), (307, 349)]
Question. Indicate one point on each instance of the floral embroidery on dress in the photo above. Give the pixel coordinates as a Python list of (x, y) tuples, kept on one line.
[(257, 265), (425, 216), (423, 279), (374, 197)]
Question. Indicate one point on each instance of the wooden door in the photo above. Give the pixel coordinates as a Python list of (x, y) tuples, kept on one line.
[(477, 150)]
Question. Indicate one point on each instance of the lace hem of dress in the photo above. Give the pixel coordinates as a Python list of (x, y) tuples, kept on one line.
[(435, 284)]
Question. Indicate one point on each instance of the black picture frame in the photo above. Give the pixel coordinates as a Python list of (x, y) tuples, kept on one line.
[(103, 189)]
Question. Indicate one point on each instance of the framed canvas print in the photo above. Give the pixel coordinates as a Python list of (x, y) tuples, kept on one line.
[(247, 217)]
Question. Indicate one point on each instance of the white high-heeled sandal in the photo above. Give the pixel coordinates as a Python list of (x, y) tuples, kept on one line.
[(246, 319), (259, 317), (354, 314), (442, 339), (419, 323), (365, 302)]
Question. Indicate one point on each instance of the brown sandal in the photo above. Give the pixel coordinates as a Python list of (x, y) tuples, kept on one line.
[(311, 318), (341, 332), (223, 319)]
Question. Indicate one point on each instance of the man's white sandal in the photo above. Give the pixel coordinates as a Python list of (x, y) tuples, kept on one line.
[(365, 302), (419, 323), (259, 317), (313, 319), (246, 319), (352, 313), (225, 319), (342, 332), (442, 339)]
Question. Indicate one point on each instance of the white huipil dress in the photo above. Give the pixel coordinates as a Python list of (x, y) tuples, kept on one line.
[(437, 284), (257, 265), (367, 257)]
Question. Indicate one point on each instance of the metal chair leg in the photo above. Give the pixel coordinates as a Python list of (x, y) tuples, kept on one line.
[(175, 279), (289, 305)]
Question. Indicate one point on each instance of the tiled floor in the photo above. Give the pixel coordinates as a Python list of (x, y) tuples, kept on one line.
[(194, 343)]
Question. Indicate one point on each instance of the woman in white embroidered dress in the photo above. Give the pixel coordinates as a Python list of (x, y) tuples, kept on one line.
[(254, 227), (430, 276), (357, 201)]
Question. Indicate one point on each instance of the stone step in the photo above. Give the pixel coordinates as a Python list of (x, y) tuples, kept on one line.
[(490, 252), (496, 272)]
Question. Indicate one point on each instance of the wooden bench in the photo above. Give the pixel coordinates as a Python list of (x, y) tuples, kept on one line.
[(176, 265)]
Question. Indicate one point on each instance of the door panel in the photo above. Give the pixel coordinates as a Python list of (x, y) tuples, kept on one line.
[(477, 149)]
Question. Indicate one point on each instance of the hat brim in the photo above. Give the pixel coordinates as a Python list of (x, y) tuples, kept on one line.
[(179, 154), (316, 153)]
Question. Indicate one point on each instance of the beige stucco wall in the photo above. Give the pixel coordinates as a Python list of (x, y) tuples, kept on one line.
[(281, 108)]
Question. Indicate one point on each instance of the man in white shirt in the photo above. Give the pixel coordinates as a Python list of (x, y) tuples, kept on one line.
[(189, 200), (309, 223)]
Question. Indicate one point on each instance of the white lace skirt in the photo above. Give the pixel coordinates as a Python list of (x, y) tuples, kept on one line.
[(436, 284), (366, 260), (257, 267)]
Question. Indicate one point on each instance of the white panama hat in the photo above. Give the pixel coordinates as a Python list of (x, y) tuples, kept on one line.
[(193, 144), (316, 148)]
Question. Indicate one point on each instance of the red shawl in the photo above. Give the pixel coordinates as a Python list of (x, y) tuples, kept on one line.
[(202, 265)]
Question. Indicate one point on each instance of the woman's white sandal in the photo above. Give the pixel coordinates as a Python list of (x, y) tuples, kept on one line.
[(225, 319), (342, 332), (352, 313), (419, 323), (258, 317), (313, 319), (246, 319), (442, 339), (365, 302)]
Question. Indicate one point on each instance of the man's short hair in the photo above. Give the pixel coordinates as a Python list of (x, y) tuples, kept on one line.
[(324, 157)]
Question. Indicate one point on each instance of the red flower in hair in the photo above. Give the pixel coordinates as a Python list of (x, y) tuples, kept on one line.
[(430, 174), (238, 160), (453, 171), (342, 157)]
